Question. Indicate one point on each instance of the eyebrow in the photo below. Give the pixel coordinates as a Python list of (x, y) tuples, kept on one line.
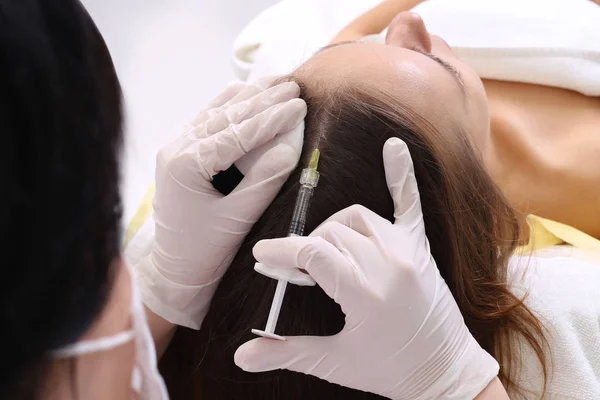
[(444, 64)]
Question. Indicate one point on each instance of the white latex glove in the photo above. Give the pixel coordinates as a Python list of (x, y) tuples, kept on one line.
[(198, 230), (404, 337)]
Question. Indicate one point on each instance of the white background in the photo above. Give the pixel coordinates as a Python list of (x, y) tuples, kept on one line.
[(172, 58)]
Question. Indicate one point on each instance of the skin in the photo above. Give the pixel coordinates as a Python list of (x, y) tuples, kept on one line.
[(544, 149), (542, 142), (500, 116), (402, 69), (93, 371), (397, 66), (409, 71)]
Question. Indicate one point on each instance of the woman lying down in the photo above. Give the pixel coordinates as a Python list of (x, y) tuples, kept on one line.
[(538, 316)]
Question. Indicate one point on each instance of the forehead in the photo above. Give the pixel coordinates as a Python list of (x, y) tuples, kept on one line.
[(408, 76)]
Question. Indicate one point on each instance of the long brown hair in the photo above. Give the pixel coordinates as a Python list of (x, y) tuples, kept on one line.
[(471, 229)]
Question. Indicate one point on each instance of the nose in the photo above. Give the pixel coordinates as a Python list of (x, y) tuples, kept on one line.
[(408, 30)]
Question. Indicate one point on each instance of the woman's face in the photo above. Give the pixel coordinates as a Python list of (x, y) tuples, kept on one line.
[(418, 69)]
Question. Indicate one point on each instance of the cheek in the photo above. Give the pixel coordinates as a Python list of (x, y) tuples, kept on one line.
[(480, 102), (113, 366), (477, 103), (480, 115)]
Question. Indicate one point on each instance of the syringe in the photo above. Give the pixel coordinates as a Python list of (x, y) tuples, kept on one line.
[(308, 182)]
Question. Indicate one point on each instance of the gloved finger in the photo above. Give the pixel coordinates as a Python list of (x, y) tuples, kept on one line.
[(266, 81), (320, 259), (252, 89), (355, 217), (262, 182), (400, 176), (293, 276), (341, 236), (304, 354), (275, 164), (217, 119), (237, 92), (293, 138), (220, 151), (232, 90), (360, 250)]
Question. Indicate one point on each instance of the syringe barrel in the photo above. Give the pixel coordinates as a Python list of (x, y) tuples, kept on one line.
[(301, 211), (309, 179)]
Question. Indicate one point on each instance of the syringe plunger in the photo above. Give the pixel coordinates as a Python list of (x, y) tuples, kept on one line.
[(308, 182)]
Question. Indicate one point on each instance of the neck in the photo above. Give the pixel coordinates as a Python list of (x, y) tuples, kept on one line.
[(544, 147), (542, 109)]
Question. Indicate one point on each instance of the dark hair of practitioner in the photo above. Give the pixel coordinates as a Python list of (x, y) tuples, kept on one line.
[(60, 209), (471, 229)]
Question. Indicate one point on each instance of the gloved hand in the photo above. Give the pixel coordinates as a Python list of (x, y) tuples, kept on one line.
[(199, 230), (404, 337)]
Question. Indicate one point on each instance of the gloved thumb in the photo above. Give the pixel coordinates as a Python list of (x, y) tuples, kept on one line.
[(400, 177), (302, 354)]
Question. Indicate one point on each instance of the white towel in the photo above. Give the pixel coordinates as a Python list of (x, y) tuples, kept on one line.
[(285, 35), (562, 290), (546, 42)]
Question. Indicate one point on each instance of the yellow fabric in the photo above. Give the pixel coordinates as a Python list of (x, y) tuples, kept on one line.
[(543, 232), (141, 215)]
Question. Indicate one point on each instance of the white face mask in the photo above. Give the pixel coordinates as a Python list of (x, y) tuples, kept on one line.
[(146, 382)]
